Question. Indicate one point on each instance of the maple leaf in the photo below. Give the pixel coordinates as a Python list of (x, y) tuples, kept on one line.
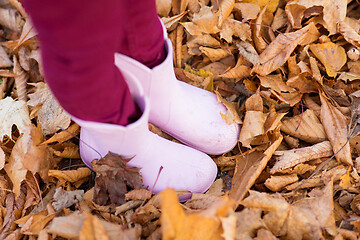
[(112, 178)]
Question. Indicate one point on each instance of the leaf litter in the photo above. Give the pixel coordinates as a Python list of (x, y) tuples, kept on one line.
[(287, 71)]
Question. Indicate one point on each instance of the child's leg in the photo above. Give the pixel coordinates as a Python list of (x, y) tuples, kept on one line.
[(78, 40), (143, 34)]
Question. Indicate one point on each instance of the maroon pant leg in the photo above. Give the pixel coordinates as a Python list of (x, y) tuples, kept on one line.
[(78, 40)]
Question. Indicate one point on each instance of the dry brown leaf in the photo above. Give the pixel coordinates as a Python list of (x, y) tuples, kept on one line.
[(11, 19), (20, 80), (248, 221), (138, 194), (259, 41), (279, 50), (335, 126), (64, 199), (70, 226), (248, 52), (333, 12), (280, 19), (28, 32), (70, 175), (64, 135), (70, 151), (276, 183), (13, 112), (27, 155), (4, 59), (239, 72), (349, 34), (112, 178), (305, 126), (249, 167), (214, 54), (232, 115), (229, 227), (127, 206), (201, 201), (53, 117), (177, 225), (2, 158), (205, 21), (33, 224), (202, 40), (290, 158), (317, 181), (163, 7), (225, 8), (236, 28), (92, 229), (171, 22), (253, 126), (248, 10), (279, 88), (331, 55)]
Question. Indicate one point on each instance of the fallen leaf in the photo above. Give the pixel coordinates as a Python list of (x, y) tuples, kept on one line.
[(33, 224), (13, 112), (229, 226), (92, 229), (138, 194), (276, 183), (279, 50), (214, 54), (64, 199), (290, 158), (232, 115), (282, 91), (2, 158), (305, 126), (225, 8), (177, 225), (349, 34), (70, 226), (331, 55), (248, 10), (335, 126), (249, 167), (235, 28), (70, 175), (112, 178)]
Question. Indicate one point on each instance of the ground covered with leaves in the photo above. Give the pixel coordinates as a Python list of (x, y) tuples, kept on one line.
[(287, 71)]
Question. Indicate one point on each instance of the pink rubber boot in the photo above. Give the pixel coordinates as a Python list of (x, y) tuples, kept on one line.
[(190, 114), (184, 168)]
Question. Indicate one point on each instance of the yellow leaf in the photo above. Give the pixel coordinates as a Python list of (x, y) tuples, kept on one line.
[(331, 55), (271, 4), (346, 181), (177, 225)]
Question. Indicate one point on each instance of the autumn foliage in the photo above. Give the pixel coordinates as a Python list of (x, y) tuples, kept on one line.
[(287, 71)]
